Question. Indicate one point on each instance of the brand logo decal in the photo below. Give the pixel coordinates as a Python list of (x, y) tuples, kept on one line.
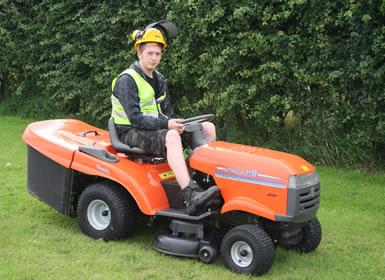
[(248, 176), (105, 170), (239, 172), (312, 191)]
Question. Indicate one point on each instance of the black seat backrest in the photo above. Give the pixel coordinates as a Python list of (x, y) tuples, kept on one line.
[(118, 145)]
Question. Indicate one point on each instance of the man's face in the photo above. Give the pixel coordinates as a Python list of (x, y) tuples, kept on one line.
[(150, 57)]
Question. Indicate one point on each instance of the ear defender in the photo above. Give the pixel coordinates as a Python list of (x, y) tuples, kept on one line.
[(158, 32), (137, 35)]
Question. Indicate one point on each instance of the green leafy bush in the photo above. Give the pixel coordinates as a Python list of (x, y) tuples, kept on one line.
[(283, 74)]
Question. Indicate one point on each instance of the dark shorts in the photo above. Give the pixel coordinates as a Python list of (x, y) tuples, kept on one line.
[(151, 141)]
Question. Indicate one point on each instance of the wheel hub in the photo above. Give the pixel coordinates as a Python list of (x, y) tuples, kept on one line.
[(241, 254), (98, 214), (105, 213)]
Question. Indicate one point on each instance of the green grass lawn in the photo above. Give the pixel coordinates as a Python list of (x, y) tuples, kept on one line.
[(40, 243)]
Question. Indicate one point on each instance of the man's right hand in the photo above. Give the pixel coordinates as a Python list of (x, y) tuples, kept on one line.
[(173, 124)]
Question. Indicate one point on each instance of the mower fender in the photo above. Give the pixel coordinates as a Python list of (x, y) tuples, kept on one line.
[(138, 179), (248, 205)]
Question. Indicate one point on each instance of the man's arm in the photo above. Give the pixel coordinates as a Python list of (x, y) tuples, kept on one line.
[(127, 92)]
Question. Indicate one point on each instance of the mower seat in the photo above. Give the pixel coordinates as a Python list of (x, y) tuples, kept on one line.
[(118, 145)]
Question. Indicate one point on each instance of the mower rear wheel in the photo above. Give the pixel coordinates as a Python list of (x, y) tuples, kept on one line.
[(247, 249), (106, 210)]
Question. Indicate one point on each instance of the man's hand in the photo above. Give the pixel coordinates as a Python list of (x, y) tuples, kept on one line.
[(173, 124)]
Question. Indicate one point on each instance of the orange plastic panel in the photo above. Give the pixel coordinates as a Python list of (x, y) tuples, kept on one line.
[(251, 179), (142, 180)]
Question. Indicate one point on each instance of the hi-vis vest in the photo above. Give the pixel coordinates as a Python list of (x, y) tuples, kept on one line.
[(148, 105)]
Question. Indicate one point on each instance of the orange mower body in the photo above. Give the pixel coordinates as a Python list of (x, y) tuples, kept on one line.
[(74, 168)]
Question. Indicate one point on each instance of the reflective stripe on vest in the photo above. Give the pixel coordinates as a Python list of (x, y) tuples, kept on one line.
[(148, 105)]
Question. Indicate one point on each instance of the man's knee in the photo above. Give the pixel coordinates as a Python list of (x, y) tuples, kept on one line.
[(209, 131), (173, 138), (209, 126)]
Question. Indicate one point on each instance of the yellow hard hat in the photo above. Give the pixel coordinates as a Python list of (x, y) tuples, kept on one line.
[(149, 35)]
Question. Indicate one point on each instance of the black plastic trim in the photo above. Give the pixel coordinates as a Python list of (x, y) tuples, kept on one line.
[(182, 214), (98, 153), (303, 204), (172, 190)]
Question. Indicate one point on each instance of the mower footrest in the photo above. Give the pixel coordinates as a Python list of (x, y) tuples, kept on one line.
[(182, 214)]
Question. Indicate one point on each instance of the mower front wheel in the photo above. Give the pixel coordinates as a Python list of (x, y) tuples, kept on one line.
[(247, 249), (106, 210), (312, 234)]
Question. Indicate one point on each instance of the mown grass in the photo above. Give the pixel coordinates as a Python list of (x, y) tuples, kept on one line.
[(40, 243)]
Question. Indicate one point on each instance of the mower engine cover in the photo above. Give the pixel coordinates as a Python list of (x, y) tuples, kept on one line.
[(260, 181)]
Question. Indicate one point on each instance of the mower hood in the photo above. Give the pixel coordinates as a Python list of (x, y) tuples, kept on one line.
[(251, 179)]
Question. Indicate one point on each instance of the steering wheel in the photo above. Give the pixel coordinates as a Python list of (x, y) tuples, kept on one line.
[(198, 119)]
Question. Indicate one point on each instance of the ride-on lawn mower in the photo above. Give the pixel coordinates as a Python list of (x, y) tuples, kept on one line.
[(268, 198)]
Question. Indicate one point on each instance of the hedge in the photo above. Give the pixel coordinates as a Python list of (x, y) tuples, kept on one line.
[(309, 71)]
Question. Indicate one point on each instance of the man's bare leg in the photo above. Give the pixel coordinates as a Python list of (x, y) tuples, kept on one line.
[(193, 197), (176, 159), (175, 156)]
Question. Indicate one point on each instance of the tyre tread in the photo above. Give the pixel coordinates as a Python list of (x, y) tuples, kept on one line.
[(263, 242), (312, 237), (122, 202)]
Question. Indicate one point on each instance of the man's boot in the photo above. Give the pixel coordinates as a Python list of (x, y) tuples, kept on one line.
[(194, 198)]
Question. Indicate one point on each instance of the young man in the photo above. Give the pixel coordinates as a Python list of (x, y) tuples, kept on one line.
[(143, 114)]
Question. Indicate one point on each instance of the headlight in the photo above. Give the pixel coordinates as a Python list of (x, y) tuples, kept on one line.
[(299, 181)]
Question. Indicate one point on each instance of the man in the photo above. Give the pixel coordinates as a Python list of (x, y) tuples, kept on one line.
[(143, 114)]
